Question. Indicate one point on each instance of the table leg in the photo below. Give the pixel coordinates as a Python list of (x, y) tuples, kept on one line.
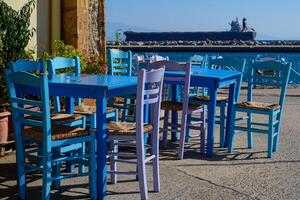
[(174, 136), (211, 121), (101, 146), (70, 104), (230, 120)]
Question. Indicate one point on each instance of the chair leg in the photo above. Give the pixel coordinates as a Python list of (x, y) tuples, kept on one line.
[(141, 167), (21, 179), (46, 174), (231, 134), (155, 162), (182, 135), (249, 133), (270, 135), (202, 132), (81, 167), (116, 118), (188, 133), (113, 157), (56, 170), (92, 169), (222, 123), (165, 130), (125, 109), (277, 136)]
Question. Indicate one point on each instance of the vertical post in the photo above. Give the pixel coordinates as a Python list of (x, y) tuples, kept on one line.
[(75, 23), (97, 42)]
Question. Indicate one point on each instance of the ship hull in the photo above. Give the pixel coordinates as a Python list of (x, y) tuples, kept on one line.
[(188, 36)]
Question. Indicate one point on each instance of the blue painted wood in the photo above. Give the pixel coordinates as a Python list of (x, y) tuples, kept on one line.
[(60, 64), (27, 65), (39, 84), (120, 64), (211, 79), (264, 73)]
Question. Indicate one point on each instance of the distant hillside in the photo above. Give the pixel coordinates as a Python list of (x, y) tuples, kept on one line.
[(112, 27)]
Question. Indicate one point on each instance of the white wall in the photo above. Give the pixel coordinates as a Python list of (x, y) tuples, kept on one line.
[(40, 20)]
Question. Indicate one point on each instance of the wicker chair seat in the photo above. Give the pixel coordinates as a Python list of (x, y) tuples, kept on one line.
[(170, 105), (89, 110), (62, 118), (258, 106), (125, 128), (59, 132), (206, 98)]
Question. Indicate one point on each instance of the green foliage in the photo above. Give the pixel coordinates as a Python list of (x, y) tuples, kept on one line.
[(15, 33), (90, 64), (15, 30), (63, 50)]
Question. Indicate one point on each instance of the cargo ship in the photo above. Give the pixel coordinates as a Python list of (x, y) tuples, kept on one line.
[(237, 32)]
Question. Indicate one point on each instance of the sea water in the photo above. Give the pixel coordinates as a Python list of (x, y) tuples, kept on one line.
[(293, 58)]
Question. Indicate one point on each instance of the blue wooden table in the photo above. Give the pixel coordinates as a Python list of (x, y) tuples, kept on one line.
[(98, 87), (211, 79)]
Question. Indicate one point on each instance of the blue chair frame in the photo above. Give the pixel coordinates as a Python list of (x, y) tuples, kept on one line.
[(224, 64), (63, 63), (120, 64), (20, 120), (278, 79)]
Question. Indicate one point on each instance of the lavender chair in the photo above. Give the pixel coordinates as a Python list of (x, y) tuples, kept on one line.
[(148, 94), (184, 106)]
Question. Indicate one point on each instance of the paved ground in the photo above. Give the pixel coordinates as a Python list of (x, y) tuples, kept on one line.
[(243, 174)]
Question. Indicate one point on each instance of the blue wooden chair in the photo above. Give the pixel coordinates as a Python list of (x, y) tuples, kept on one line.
[(185, 106), (120, 64), (56, 117), (38, 67), (278, 78), (148, 95), (49, 136), (63, 64), (225, 64)]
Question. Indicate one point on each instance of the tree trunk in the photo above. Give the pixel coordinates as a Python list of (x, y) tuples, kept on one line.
[(97, 41)]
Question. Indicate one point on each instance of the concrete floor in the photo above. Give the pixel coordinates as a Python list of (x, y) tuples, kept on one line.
[(243, 174)]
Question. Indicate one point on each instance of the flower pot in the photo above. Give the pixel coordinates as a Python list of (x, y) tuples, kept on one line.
[(4, 126)]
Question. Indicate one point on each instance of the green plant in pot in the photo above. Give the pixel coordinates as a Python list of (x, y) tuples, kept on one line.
[(15, 34)]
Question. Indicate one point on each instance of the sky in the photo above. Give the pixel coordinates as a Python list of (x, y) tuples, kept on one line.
[(272, 19)]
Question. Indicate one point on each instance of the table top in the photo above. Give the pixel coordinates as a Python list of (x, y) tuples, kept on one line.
[(106, 81), (211, 74)]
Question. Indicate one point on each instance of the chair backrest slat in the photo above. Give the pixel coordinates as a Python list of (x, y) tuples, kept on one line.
[(149, 92), (269, 73), (119, 62), (28, 112), (183, 70), (27, 65), (57, 63), (60, 63), (21, 107), (30, 122), (26, 101)]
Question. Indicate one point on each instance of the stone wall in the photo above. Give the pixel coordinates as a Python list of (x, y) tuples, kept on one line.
[(97, 27)]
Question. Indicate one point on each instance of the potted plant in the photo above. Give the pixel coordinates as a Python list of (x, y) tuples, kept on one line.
[(15, 33)]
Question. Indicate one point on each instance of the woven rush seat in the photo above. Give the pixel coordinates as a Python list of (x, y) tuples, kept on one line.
[(206, 98), (60, 117), (170, 105), (258, 106), (58, 132), (125, 128), (89, 110)]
